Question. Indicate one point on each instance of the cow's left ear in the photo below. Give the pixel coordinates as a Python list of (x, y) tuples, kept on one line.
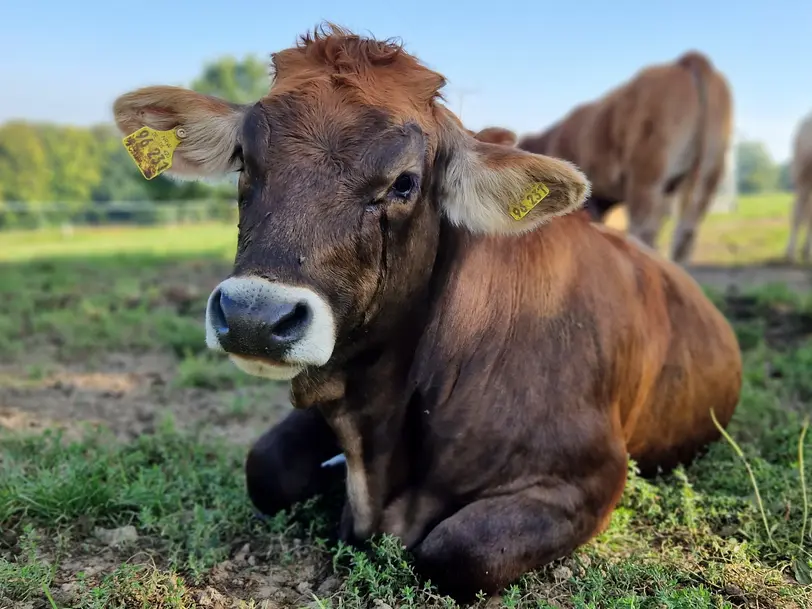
[(488, 188)]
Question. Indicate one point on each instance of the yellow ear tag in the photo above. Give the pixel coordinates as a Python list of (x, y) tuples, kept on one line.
[(152, 150), (532, 197)]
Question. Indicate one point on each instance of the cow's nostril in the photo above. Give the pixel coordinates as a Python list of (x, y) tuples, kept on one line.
[(257, 323), (217, 315), (291, 321)]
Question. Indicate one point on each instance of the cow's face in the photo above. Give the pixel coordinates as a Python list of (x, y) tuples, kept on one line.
[(346, 168)]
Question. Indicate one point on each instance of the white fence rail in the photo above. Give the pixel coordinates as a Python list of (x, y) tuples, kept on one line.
[(16, 215)]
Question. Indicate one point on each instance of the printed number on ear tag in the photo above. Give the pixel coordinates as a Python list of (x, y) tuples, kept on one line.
[(152, 150), (531, 198)]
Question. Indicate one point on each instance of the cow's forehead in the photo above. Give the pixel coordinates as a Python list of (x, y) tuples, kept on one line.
[(356, 72), (296, 127)]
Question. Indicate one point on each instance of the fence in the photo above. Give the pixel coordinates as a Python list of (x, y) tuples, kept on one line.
[(14, 215)]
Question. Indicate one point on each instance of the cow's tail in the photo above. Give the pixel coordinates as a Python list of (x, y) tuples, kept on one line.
[(701, 70)]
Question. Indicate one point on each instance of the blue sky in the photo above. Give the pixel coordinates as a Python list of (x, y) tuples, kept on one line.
[(515, 64)]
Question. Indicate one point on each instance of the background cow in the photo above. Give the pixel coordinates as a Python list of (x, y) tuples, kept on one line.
[(484, 359), (662, 135), (802, 178)]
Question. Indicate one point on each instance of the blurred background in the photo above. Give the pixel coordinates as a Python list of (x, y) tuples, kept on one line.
[(522, 67), (122, 439)]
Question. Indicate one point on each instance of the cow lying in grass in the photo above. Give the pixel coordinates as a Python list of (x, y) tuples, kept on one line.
[(484, 359)]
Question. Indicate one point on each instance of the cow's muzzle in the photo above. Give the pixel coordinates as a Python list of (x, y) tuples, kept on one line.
[(269, 329)]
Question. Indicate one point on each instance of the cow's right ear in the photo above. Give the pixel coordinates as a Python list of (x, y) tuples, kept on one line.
[(209, 127), (502, 190)]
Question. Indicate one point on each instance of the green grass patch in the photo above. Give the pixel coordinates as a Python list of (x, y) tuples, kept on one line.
[(78, 305), (213, 238)]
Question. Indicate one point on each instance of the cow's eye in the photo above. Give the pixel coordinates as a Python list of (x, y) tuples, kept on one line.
[(403, 186)]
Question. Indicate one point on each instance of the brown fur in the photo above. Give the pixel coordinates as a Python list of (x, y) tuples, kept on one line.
[(802, 181), (662, 134), (489, 375)]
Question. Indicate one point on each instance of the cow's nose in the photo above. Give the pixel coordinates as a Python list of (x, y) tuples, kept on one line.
[(257, 326)]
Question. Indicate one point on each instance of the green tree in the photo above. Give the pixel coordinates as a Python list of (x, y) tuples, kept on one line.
[(757, 172), (785, 176), (75, 159), (25, 173), (238, 81)]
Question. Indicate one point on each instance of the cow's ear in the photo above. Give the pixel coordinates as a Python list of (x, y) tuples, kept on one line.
[(497, 135), (202, 131), (490, 188)]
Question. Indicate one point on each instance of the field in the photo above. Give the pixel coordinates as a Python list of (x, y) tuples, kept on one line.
[(122, 441)]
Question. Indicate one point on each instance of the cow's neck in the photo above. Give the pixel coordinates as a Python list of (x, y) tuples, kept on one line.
[(365, 401)]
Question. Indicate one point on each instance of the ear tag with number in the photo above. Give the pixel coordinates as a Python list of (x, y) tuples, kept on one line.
[(532, 197), (152, 150)]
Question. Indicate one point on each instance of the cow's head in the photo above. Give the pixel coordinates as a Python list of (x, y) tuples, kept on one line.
[(347, 169)]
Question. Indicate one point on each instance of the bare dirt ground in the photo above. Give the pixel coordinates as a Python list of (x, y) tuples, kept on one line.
[(129, 393)]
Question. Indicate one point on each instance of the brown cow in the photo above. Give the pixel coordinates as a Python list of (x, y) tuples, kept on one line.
[(662, 134), (484, 361), (802, 179)]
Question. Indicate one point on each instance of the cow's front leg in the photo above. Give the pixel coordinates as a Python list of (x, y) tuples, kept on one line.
[(492, 542), (375, 463), (284, 465)]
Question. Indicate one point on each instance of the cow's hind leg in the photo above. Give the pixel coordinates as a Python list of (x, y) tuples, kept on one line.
[(284, 466), (490, 543), (694, 207), (799, 213), (806, 250), (648, 206)]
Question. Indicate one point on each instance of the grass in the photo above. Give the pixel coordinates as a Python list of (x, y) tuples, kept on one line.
[(756, 232), (702, 537)]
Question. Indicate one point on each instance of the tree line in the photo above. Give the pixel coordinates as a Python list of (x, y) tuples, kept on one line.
[(54, 172), (73, 171), (757, 171)]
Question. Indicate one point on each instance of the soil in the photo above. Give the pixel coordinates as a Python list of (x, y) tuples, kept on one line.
[(129, 393)]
